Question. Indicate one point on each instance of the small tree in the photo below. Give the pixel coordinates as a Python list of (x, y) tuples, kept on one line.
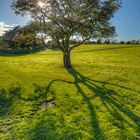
[(21, 37), (1, 39), (62, 20), (107, 41), (122, 42), (24, 41), (99, 41), (9, 35)]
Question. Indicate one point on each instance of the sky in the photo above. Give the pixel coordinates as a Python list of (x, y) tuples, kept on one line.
[(126, 20)]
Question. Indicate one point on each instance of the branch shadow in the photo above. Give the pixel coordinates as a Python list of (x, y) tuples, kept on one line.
[(112, 104), (118, 110), (107, 99), (7, 98)]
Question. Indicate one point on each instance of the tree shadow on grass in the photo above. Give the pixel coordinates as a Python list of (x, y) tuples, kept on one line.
[(44, 129), (117, 110), (11, 101), (78, 78), (7, 98), (112, 104)]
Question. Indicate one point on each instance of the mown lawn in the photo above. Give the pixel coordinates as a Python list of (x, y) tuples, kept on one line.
[(99, 99)]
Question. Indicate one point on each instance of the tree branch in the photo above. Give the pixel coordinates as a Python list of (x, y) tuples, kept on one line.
[(80, 43)]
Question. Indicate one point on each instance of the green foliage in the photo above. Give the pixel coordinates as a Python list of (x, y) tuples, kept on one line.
[(9, 35), (3, 45), (25, 41), (1, 39), (62, 20), (22, 38), (97, 99), (99, 41)]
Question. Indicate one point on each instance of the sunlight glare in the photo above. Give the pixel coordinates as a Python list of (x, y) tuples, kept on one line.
[(41, 4)]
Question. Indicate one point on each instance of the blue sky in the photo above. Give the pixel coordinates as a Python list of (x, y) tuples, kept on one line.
[(126, 20)]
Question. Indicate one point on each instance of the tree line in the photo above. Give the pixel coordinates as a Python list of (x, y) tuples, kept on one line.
[(109, 41)]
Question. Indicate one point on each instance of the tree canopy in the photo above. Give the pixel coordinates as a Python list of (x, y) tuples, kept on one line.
[(65, 20), (21, 37)]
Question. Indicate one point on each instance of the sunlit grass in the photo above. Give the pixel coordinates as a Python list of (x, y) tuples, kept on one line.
[(98, 99)]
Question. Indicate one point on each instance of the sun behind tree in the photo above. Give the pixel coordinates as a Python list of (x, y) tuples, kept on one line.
[(62, 20), (41, 4)]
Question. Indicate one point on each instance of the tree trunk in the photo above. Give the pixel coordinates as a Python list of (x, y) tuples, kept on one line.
[(66, 59)]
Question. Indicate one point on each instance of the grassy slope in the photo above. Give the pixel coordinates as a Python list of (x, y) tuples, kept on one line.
[(98, 99)]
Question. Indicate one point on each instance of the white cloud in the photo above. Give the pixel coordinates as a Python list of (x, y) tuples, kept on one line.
[(4, 27)]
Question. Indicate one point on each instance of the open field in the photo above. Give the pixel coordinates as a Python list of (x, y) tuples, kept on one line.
[(99, 99)]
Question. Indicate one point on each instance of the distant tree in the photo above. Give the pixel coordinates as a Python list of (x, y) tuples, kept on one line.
[(133, 41), (113, 41), (93, 42), (99, 41), (128, 42), (138, 41), (21, 37), (9, 35), (1, 39), (2, 43), (122, 42), (64, 19), (107, 41), (24, 41)]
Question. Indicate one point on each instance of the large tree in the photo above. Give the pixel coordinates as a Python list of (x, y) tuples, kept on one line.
[(65, 20)]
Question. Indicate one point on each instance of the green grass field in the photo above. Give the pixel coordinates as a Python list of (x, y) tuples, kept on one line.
[(99, 99)]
